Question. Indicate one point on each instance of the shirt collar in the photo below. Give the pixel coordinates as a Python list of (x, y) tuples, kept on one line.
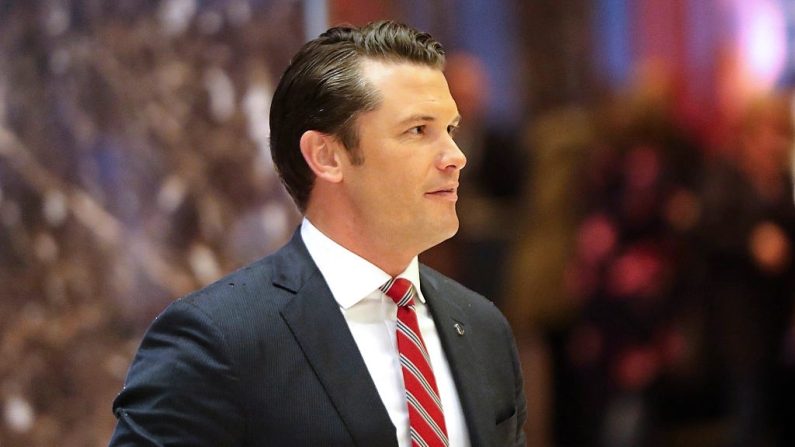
[(350, 277)]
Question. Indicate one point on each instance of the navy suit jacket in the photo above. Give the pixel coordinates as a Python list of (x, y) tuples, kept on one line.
[(264, 357)]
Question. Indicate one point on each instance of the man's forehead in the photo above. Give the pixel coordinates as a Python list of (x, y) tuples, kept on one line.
[(413, 90)]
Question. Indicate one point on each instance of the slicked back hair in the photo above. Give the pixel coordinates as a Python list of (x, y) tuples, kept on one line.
[(323, 89)]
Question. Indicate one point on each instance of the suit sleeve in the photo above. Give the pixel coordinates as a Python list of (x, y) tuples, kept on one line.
[(181, 388)]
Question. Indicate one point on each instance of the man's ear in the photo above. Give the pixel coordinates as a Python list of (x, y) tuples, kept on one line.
[(321, 153)]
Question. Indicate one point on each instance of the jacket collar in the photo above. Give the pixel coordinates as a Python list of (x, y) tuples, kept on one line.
[(454, 330)]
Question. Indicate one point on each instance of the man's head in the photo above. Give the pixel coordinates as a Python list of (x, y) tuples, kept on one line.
[(324, 90)]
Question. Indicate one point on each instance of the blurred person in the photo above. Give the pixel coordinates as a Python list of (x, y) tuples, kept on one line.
[(602, 261), (535, 299), (301, 347), (629, 275), (746, 239)]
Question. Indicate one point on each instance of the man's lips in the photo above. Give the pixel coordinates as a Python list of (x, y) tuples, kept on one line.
[(447, 192)]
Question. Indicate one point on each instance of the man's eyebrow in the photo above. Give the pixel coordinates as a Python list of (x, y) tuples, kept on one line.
[(426, 118)]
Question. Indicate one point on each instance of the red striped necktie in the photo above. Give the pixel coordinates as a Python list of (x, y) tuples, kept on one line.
[(426, 419)]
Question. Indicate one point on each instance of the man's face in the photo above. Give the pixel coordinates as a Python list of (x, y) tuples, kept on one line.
[(405, 191)]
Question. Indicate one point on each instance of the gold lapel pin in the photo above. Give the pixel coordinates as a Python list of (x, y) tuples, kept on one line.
[(459, 328)]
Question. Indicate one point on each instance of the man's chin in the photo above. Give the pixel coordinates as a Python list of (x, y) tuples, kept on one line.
[(446, 232)]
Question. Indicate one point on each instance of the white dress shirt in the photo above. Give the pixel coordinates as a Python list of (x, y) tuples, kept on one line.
[(371, 318)]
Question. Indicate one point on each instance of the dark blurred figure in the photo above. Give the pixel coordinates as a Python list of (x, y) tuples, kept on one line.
[(537, 302), (630, 271), (748, 278)]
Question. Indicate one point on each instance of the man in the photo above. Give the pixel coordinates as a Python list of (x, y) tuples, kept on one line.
[(314, 345)]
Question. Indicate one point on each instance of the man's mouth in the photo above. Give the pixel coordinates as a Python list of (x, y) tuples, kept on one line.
[(448, 193)]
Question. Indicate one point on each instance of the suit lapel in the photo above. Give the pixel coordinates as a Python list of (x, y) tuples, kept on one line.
[(449, 320), (320, 329)]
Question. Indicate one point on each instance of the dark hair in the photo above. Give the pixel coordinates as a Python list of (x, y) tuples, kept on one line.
[(323, 89)]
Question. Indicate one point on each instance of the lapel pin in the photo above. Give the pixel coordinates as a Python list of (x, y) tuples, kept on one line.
[(459, 328)]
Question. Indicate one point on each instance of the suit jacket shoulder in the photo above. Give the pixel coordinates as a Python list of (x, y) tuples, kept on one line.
[(262, 355)]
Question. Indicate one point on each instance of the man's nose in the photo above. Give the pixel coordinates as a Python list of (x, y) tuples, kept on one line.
[(452, 156)]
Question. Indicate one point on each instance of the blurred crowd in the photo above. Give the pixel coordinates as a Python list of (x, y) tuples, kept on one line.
[(646, 263), (134, 167), (652, 281)]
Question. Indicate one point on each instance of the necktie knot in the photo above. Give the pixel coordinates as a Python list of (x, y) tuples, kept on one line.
[(401, 291)]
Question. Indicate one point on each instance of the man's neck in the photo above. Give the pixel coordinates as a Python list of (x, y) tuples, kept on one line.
[(380, 251)]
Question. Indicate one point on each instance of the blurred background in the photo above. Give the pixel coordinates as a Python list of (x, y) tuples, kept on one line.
[(626, 203)]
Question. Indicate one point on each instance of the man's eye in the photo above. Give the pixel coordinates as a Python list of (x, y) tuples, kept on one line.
[(452, 130), (417, 130)]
